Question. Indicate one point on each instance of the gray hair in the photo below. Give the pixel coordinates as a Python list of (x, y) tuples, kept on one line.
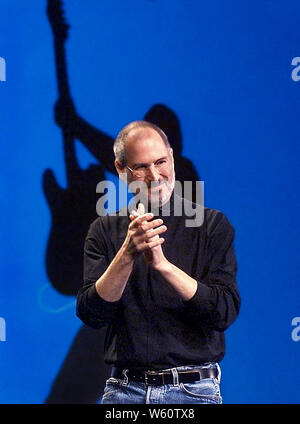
[(119, 144)]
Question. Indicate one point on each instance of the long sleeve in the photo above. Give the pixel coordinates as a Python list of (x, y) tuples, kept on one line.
[(216, 302), (91, 308)]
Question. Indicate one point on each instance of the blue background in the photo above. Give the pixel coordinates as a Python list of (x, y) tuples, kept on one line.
[(225, 69)]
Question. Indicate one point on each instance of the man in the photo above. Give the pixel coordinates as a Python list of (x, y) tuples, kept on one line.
[(167, 292)]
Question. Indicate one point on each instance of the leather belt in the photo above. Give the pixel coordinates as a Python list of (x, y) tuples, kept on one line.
[(160, 378)]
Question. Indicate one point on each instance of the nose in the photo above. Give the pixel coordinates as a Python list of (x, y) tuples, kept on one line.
[(153, 173)]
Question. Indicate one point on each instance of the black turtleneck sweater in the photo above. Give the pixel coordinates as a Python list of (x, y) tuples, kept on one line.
[(151, 327)]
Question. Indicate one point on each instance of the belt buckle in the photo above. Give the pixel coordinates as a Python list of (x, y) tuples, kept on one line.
[(147, 375), (153, 373)]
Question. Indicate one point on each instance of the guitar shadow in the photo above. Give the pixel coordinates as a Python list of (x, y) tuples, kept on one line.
[(82, 376)]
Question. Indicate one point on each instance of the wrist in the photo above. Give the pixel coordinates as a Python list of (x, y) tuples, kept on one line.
[(164, 266), (125, 257)]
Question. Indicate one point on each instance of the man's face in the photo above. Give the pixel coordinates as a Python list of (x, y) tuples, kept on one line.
[(149, 160)]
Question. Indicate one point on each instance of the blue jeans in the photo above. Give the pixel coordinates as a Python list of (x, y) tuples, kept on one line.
[(122, 391)]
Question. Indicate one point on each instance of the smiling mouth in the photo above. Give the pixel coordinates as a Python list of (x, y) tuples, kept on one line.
[(158, 185)]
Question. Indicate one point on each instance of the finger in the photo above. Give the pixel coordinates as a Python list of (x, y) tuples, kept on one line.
[(133, 215), (153, 233), (147, 226), (154, 237), (138, 220), (155, 243), (141, 209)]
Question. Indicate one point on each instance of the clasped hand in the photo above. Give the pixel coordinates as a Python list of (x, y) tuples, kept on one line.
[(143, 237)]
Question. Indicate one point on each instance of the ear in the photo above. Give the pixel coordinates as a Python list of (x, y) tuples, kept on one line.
[(121, 171), (119, 167), (172, 156)]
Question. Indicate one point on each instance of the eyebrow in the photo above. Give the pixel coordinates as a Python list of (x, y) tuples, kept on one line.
[(146, 164)]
